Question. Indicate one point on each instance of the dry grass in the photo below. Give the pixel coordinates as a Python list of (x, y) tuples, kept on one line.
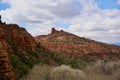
[(66, 73), (99, 70), (39, 72)]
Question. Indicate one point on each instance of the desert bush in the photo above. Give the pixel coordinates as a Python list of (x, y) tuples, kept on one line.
[(102, 70), (99, 70), (102, 67), (39, 72), (54, 73), (64, 72)]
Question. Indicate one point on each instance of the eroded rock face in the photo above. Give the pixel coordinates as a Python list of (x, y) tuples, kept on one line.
[(13, 41), (21, 37), (64, 42), (5, 67), (53, 31), (94, 51)]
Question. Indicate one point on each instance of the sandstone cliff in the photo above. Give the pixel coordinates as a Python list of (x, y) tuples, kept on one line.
[(20, 37), (17, 51), (5, 66), (66, 43)]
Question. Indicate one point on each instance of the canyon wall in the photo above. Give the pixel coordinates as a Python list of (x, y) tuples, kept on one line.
[(20, 37), (18, 43), (93, 51), (5, 66)]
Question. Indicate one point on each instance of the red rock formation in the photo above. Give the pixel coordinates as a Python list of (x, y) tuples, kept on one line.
[(53, 31), (64, 42), (16, 41), (21, 37), (5, 67)]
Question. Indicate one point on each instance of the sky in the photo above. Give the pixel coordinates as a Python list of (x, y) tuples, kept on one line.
[(95, 19)]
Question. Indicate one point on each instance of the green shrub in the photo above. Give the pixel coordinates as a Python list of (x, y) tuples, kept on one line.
[(20, 65), (59, 58)]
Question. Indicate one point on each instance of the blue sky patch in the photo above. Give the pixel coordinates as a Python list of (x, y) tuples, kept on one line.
[(4, 6), (62, 24), (108, 4)]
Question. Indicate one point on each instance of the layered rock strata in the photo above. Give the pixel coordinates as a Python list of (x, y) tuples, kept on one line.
[(5, 66)]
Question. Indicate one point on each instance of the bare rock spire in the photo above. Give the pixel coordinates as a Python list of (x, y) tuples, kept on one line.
[(53, 31)]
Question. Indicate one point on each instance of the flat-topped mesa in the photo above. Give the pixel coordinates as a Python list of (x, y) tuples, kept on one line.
[(53, 30)]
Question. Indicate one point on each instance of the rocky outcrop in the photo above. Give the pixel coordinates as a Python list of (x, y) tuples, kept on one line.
[(5, 66), (53, 30), (20, 37), (67, 43)]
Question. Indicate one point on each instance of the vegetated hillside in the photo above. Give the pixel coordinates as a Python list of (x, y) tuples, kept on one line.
[(18, 52), (69, 44)]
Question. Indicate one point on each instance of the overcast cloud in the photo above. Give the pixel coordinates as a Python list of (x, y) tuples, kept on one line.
[(86, 18)]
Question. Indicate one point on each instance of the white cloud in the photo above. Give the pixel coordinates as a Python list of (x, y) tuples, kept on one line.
[(66, 8), (85, 17), (24, 11), (89, 5), (39, 11), (40, 29), (94, 23)]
